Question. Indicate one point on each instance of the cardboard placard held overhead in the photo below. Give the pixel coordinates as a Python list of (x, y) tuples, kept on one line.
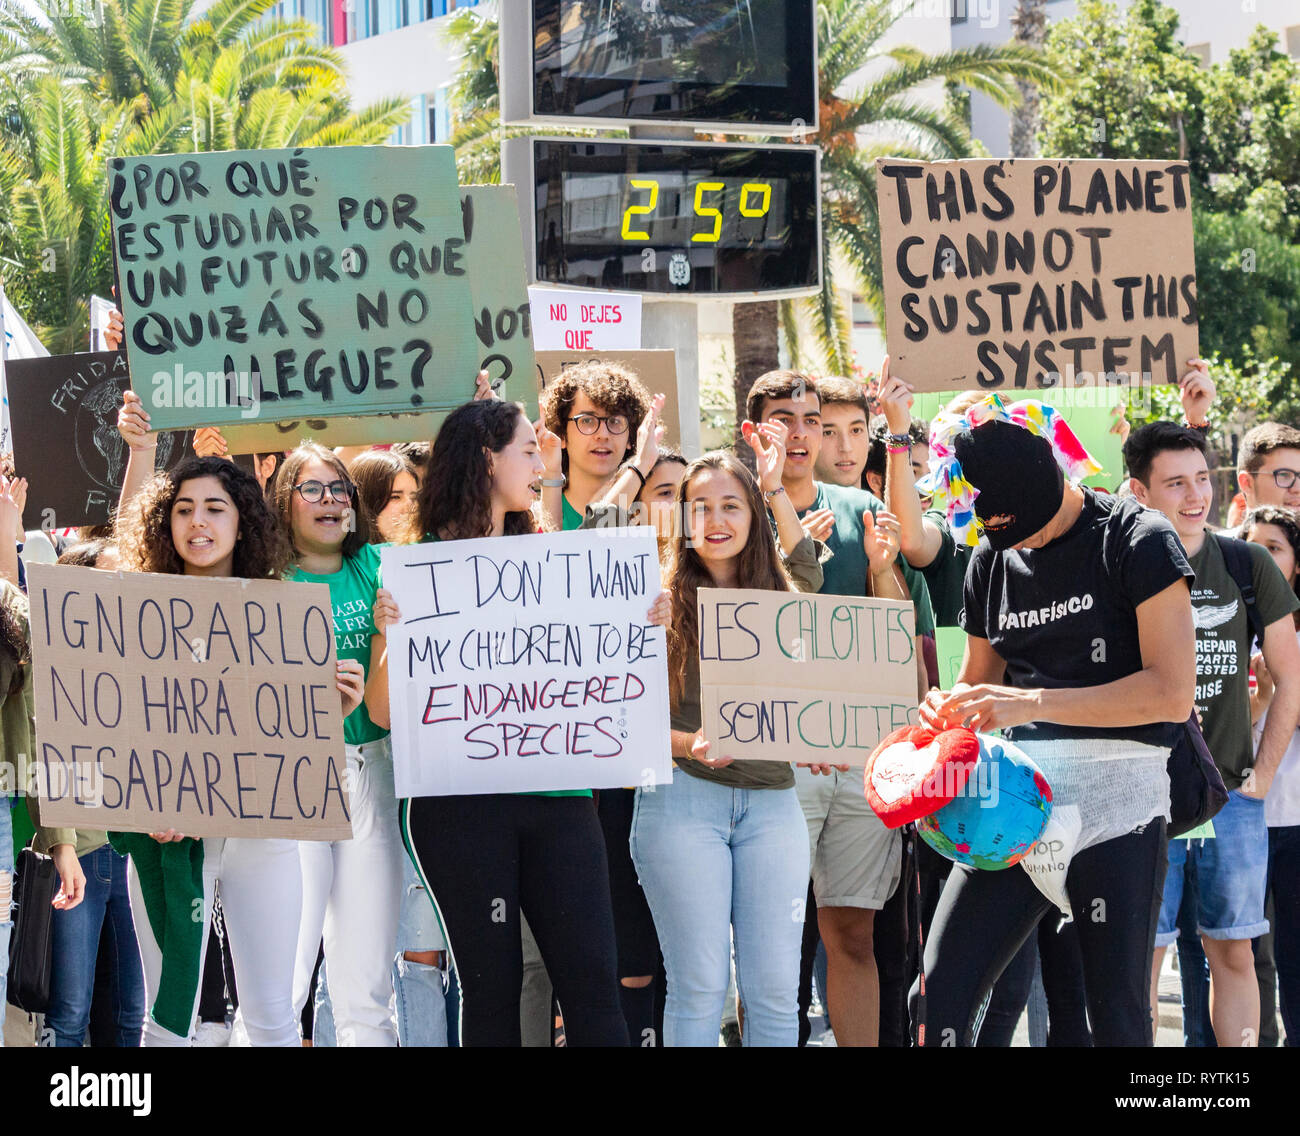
[(1022, 274), (64, 414), (272, 285), (502, 329), (524, 664), (205, 705), (657, 370), (786, 676)]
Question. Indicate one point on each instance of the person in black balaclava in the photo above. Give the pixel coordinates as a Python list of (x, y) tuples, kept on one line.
[(1080, 648)]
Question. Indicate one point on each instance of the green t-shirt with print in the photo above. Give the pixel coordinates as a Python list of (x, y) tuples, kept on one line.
[(845, 574), (945, 575), (1223, 650), (352, 596)]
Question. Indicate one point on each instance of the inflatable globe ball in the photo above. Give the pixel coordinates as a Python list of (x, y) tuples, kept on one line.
[(916, 770), (999, 817)]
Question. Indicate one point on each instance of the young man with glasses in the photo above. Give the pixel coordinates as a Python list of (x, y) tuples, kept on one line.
[(1268, 467), (596, 408)]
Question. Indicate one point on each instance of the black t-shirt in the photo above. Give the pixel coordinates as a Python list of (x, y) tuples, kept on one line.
[(1065, 615)]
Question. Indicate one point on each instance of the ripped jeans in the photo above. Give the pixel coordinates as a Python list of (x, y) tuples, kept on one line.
[(6, 900)]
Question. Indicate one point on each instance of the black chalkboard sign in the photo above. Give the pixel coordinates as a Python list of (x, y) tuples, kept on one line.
[(63, 419)]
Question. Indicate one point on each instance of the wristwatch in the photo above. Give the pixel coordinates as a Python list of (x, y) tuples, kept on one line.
[(554, 482)]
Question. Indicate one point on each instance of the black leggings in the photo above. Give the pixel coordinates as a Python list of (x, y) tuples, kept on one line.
[(985, 917), (484, 858), (1067, 1001)]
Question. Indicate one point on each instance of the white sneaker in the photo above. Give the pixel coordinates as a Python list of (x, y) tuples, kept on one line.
[(212, 1034)]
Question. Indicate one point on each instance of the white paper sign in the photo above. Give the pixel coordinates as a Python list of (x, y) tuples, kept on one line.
[(525, 664), (564, 320)]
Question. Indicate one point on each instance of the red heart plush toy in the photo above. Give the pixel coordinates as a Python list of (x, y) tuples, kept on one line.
[(915, 771)]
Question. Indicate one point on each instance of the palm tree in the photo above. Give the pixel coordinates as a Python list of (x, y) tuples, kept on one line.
[(1029, 23), (102, 77), (886, 115)]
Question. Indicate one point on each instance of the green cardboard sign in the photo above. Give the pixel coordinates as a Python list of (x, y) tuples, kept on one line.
[(1090, 411), (275, 285), (499, 288), (950, 646)]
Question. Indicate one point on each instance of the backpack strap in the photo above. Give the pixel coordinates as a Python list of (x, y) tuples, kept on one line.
[(1237, 557)]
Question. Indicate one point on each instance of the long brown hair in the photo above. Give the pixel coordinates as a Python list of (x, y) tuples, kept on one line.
[(374, 473), (358, 535), (758, 565), (145, 541), (455, 497)]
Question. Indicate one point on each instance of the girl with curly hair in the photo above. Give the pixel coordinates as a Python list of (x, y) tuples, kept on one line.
[(207, 517), (351, 889), (540, 853)]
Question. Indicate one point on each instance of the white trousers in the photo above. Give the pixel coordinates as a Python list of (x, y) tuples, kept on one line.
[(352, 891), (261, 895)]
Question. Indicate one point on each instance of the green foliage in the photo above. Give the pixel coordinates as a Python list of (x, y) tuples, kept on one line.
[(1248, 288), (1250, 390), (1136, 92), (97, 78)]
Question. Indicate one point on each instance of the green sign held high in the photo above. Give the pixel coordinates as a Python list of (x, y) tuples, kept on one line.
[(266, 285)]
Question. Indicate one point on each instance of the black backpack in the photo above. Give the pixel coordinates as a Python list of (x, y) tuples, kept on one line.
[(1196, 788)]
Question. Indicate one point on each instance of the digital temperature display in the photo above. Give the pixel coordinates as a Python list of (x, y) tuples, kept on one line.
[(675, 218)]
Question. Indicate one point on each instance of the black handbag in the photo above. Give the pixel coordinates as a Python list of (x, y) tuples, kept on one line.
[(31, 943), (1196, 790)]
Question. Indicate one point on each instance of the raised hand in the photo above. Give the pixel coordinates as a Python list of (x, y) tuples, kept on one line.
[(1196, 391), (767, 440), (210, 443), (880, 536), (385, 611), (551, 449), (895, 400), (483, 391), (133, 423), (114, 331), (649, 437)]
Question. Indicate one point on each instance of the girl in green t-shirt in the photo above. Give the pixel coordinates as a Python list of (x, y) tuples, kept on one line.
[(351, 889), (207, 517)]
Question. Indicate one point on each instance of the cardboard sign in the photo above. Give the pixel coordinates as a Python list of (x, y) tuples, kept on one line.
[(273, 285), (64, 411), (786, 676), (205, 705), (1013, 275), (525, 664), (656, 369), (565, 320), (502, 328)]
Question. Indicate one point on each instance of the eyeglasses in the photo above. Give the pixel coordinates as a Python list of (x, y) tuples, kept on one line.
[(1285, 478), (314, 491), (590, 423)]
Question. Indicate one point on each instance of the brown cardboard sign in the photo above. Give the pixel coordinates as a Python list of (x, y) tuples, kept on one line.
[(205, 705), (786, 676), (656, 369), (1023, 274)]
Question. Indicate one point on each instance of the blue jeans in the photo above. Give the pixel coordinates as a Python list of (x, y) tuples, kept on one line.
[(1231, 875), (711, 858), (6, 892), (106, 908), (420, 989)]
